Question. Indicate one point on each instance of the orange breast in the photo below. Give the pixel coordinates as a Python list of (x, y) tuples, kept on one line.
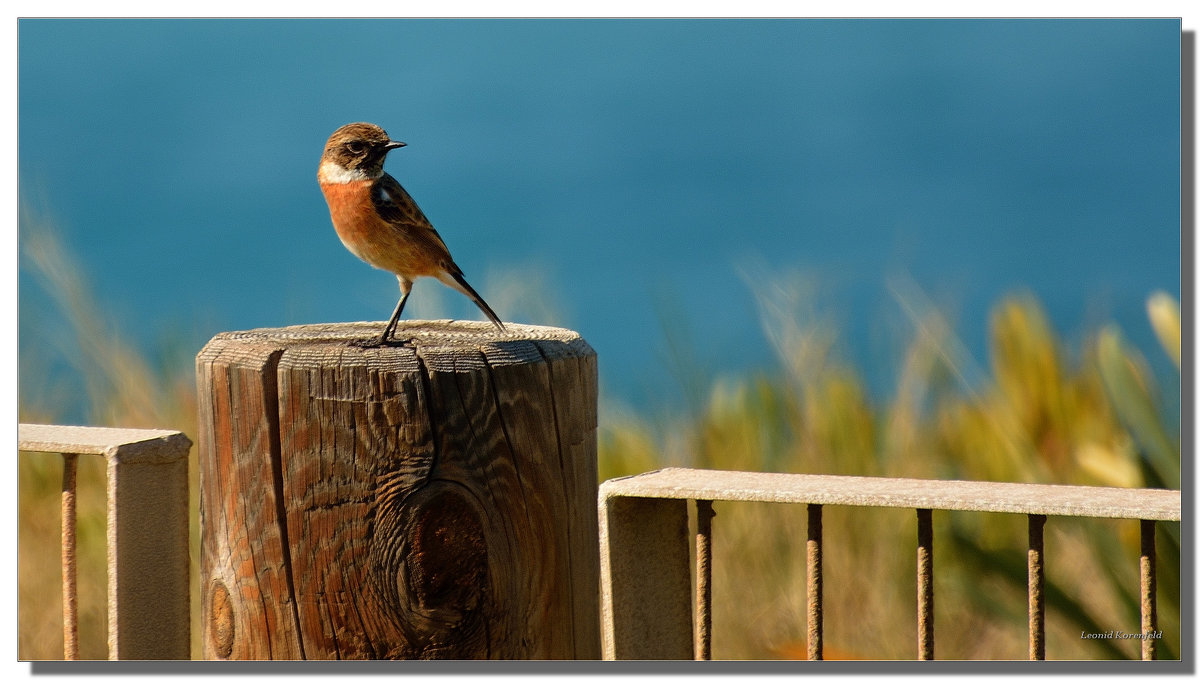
[(399, 249)]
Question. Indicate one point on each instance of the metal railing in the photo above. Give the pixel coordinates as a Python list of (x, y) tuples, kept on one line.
[(645, 568), (147, 531)]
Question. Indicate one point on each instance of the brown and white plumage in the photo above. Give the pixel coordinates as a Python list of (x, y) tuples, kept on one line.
[(378, 221)]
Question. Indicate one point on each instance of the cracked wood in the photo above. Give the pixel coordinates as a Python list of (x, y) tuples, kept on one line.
[(435, 499)]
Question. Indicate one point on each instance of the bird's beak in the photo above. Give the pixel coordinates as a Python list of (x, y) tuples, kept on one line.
[(393, 145)]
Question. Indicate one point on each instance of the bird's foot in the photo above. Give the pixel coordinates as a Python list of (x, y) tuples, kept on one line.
[(377, 341)]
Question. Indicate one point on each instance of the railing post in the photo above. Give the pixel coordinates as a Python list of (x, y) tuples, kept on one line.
[(1037, 595), (1149, 568), (704, 515), (645, 579), (924, 584), (816, 650), (148, 597), (69, 575)]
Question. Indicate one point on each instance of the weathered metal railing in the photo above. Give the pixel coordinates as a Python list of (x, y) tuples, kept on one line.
[(147, 524), (645, 557)]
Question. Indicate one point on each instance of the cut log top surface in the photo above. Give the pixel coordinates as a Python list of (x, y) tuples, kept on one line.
[(442, 344)]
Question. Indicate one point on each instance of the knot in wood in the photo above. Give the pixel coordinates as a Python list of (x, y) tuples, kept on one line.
[(220, 620)]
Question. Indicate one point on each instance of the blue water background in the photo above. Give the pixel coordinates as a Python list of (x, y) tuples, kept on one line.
[(641, 170)]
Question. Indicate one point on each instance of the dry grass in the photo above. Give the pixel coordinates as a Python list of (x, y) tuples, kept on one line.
[(122, 389), (1030, 415)]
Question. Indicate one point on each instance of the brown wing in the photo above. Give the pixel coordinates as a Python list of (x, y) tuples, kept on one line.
[(393, 204)]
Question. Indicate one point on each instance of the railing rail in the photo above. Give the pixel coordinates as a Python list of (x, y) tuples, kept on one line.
[(147, 530), (646, 575)]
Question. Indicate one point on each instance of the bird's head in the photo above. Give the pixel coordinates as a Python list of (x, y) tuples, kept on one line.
[(356, 151)]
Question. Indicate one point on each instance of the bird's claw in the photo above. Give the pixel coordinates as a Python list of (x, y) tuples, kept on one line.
[(377, 341)]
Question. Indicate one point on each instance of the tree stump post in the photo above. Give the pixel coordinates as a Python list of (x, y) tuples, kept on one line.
[(434, 499)]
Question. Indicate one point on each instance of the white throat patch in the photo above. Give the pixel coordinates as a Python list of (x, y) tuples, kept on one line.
[(332, 173)]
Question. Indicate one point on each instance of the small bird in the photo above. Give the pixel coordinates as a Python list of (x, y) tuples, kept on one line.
[(379, 222)]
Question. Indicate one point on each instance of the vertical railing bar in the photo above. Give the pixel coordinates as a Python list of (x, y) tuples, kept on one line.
[(69, 584), (1149, 564), (1037, 595), (704, 515), (816, 645), (924, 584)]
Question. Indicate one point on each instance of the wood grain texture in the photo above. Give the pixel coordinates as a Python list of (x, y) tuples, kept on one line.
[(435, 499)]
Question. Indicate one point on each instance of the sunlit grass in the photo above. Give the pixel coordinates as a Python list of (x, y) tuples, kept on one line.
[(1028, 413), (122, 388), (1033, 410)]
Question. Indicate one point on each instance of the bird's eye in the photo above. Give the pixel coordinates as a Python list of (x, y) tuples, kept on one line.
[(355, 147)]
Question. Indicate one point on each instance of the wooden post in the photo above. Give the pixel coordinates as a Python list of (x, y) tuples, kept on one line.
[(435, 499)]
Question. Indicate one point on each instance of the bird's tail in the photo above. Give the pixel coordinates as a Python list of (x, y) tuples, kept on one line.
[(455, 280)]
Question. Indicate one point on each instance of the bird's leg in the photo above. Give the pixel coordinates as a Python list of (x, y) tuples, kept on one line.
[(405, 289), (391, 327)]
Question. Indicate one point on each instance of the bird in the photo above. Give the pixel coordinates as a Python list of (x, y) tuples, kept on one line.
[(379, 222)]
